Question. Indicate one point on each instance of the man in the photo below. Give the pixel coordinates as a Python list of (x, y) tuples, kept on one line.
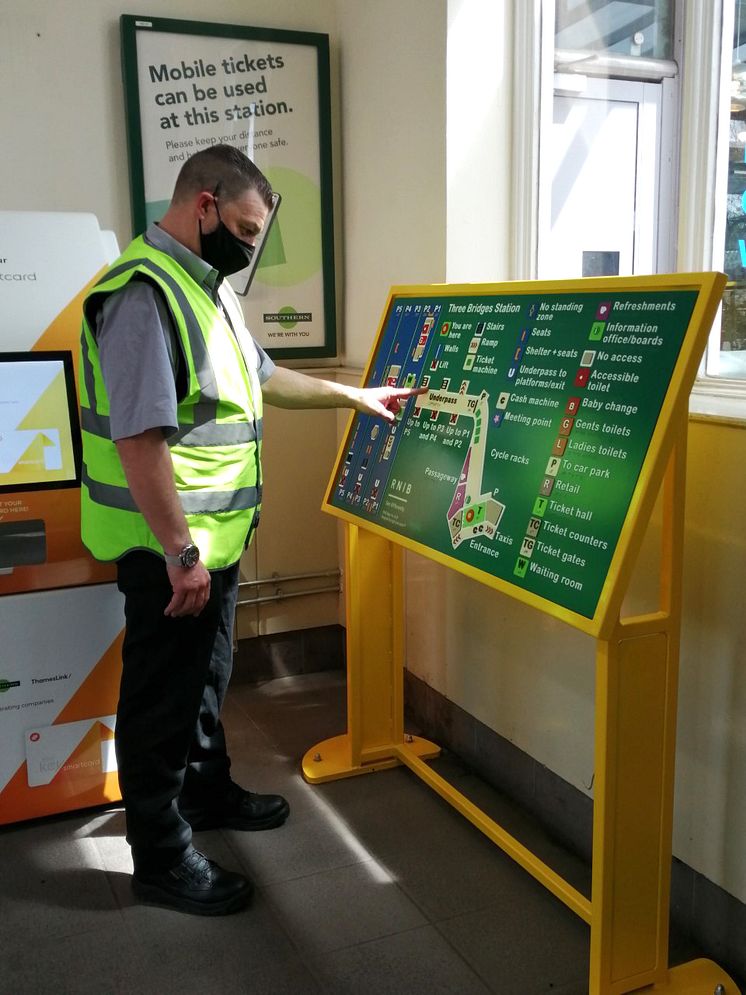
[(171, 405)]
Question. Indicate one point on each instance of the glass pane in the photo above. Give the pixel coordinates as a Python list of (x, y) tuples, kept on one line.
[(732, 359), (619, 27)]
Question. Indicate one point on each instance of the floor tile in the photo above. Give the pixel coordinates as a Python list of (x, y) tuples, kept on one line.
[(51, 873), (518, 822), (96, 962), (339, 908), (309, 708), (438, 858), (419, 961), (526, 941), (245, 952), (304, 845)]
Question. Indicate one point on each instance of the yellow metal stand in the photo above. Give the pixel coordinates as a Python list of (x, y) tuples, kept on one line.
[(636, 694), (636, 689), (375, 667)]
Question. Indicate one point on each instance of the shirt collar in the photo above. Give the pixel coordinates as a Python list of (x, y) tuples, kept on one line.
[(199, 270)]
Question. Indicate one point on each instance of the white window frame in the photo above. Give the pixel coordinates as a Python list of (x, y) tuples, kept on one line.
[(713, 395), (655, 195), (702, 45)]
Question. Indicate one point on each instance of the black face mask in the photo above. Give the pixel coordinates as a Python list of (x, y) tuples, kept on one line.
[(223, 250)]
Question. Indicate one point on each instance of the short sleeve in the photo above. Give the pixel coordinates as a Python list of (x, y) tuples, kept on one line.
[(265, 367), (136, 349)]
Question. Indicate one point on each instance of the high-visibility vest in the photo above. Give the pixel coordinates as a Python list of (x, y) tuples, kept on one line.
[(216, 451)]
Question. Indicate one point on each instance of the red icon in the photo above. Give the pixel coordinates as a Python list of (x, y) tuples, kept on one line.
[(581, 378), (603, 310), (34, 737), (573, 404), (566, 426)]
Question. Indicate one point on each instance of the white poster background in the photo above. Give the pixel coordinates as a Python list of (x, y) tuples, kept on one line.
[(263, 97)]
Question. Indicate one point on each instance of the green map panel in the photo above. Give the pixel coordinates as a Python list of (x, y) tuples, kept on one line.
[(522, 458)]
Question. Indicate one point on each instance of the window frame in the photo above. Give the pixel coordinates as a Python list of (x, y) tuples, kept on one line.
[(703, 39)]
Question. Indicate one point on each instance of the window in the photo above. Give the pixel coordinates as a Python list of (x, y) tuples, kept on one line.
[(642, 28), (607, 192), (726, 354)]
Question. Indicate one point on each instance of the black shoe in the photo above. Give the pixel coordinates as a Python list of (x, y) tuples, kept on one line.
[(196, 885), (239, 809)]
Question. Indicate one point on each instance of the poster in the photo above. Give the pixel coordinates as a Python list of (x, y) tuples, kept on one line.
[(522, 459), (190, 85)]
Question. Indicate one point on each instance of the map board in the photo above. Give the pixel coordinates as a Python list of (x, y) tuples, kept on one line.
[(545, 414)]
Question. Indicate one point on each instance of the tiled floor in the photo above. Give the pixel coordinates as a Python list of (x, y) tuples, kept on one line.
[(374, 885)]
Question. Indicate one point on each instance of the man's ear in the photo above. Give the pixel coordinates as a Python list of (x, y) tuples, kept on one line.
[(203, 202)]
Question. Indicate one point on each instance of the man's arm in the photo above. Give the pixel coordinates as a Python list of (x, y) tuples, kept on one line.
[(150, 477), (291, 389)]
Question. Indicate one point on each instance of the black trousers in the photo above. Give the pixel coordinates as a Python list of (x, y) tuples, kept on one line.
[(170, 744)]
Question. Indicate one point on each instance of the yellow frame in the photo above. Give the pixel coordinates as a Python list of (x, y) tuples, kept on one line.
[(636, 686), (710, 287)]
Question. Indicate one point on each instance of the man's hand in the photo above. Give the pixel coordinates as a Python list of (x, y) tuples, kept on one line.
[(385, 402), (292, 389), (191, 586)]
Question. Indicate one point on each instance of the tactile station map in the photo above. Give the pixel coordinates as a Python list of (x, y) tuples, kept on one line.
[(522, 457)]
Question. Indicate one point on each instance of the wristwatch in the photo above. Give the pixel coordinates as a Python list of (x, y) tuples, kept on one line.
[(188, 557)]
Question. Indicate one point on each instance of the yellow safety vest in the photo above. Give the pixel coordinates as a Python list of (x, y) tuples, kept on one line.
[(216, 451)]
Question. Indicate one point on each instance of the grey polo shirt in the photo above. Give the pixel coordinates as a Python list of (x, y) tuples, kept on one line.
[(138, 348)]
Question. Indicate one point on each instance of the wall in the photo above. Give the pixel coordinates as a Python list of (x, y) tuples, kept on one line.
[(62, 112), (392, 77), (710, 823)]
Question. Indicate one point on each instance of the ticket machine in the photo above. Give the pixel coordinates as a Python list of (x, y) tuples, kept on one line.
[(61, 616)]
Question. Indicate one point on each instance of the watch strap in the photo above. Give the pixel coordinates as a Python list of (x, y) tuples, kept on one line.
[(188, 557)]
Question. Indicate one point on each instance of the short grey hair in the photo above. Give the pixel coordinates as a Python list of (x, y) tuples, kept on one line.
[(224, 168)]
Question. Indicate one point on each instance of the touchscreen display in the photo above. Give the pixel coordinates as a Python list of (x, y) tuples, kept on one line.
[(39, 429)]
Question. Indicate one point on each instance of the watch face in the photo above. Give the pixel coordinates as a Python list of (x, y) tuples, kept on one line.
[(190, 556)]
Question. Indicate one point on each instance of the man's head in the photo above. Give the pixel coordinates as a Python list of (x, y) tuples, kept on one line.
[(219, 206), (225, 167)]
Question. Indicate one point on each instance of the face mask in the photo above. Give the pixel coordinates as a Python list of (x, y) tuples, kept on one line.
[(223, 250)]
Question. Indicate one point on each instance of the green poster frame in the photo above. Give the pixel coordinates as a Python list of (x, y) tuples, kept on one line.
[(130, 25)]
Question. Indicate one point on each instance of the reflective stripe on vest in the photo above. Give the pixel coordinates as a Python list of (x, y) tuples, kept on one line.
[(193, 502)]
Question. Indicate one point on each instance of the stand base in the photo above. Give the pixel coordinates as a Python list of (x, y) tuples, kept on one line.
[(698, 977), (331, 759)]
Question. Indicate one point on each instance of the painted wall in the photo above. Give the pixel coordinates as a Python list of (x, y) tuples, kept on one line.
[(62, 112), (392, 80)]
